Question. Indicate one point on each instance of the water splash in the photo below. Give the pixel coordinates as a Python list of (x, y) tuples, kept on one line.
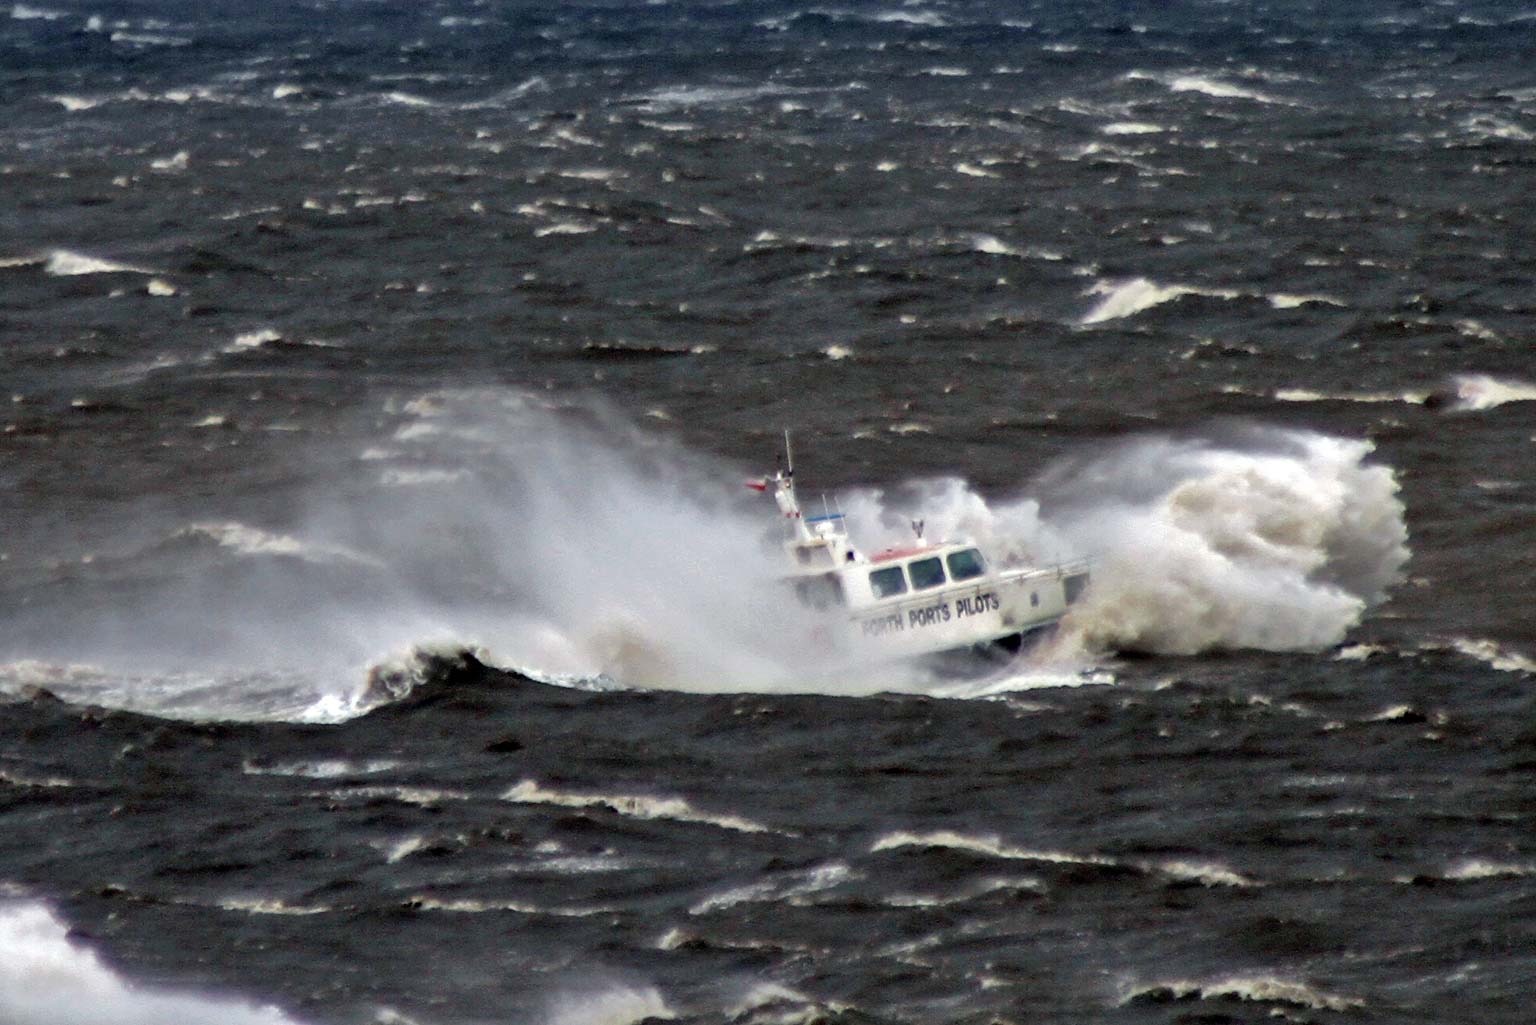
[(45, 979), (1277, 540), (563, 541)]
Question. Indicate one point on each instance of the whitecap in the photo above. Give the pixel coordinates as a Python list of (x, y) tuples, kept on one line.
[(1128, 298), (404, 848), (178, 162), (1479, 392), (253, 340), (21, 779), (1484, 126), (269, 906), (1205, 873), (253, 541), (325, 768), (1286, 301), (993, 246), (1132, 128), (990, 846), (73, 104), (971, 170), (1308, 395), (791, 888), (149, 39), (1217, 88), (931, 19), (707, 96), (1476, 869), (422, 797), (404, 99), (1494, 655), (468, 906), (589, 174), (564, 228), (1256, 989), (22, 12), (63, 263), (638, 806)]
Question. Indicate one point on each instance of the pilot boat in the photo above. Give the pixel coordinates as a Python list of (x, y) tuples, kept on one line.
[(920, 599)]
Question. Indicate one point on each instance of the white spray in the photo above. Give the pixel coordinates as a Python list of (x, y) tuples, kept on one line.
[(45, 979), (1270, 539), (564, 541)]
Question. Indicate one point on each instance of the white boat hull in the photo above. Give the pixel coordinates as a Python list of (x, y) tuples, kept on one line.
[(992, 610)]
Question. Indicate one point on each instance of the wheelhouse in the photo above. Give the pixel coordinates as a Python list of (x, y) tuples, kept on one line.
[(897, 573)]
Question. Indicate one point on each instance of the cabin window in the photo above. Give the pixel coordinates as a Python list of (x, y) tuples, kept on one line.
[(964, 565), (888, 581), (926, 573)]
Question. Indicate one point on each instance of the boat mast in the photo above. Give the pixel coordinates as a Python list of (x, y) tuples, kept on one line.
[(784, 494)]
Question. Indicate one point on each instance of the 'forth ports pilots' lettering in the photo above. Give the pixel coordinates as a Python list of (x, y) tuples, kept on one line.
[(928, 615), (938, 612), (978, 605), (883, 625)]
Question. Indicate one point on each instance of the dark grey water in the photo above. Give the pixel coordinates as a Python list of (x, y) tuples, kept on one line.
[(382, 623)]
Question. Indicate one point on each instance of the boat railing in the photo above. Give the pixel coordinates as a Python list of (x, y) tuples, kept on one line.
[(827, 523), (1069, 568)]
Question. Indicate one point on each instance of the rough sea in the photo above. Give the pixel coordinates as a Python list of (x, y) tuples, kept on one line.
[(386, 637)]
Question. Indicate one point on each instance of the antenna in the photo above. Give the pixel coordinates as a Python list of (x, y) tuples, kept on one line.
[(789, 459)]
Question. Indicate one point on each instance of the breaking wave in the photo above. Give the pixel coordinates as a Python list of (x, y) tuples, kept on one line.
[(1261, 989), (564, 543), (1278, 540), (46, 979)]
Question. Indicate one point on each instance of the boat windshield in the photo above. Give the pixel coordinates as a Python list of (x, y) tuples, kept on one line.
[(963, 565), (888, 581), (926, 572)]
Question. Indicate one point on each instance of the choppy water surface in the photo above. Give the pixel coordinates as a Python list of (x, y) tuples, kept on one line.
[(385, 634)]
